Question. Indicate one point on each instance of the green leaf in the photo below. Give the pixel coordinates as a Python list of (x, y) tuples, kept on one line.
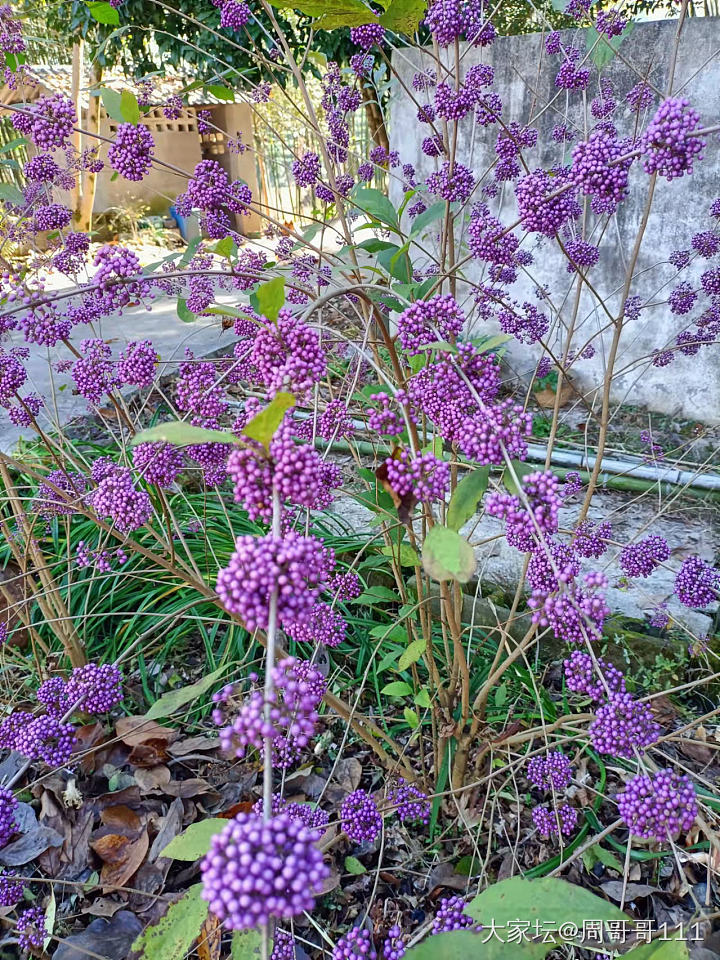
[(103, 12), (424, 219), (422, 699), (378, 594), (407, 555), (171, 701), (459, 945), (603, 48), (501, 696), (375, 245), (466, 496), (353, 865), (398, 688), (660, 950), (413, 653), (606, 857), (8, 191), (447, 556), (412, 718), (13, 144), (186, 315), (345, 13), (172, 936), (220, 91), (468, 866), (194, 842), (269, 298), (112, 101), (376, 204), (246, 945), (129, 107), (549, 901), (489, 344), (182, 434), (190, 251), (521, 470), (264, 425), (403, 16), (226, 248)]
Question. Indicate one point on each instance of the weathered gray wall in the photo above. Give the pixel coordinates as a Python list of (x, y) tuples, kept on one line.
[(524, 77)]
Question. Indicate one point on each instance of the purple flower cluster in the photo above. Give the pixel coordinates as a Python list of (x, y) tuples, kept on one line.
[(598, 171), (658, 807), (258, 871), (523, 528), (642, 558), (360, 817)]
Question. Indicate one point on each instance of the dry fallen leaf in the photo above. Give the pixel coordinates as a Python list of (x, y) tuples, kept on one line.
[(136, 731), (210, 939), (122, 856)]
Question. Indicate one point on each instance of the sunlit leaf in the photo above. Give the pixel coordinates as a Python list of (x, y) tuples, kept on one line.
[(172, 936), (447, 556)]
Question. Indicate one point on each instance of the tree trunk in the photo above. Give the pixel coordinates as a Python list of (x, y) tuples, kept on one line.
[(89, 179), (78, 56), (376, 121)]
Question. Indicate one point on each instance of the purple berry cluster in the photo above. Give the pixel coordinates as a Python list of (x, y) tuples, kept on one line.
[(411, 804), (622, 726), (31, 929), (288, 355), (295, 567), (257, 871), (450, 915), (697, 583), (669, 144), (360, 817), (658, 807), (430, 320), (642, 558), (288, 719), (132, 152), (356, 944), (8, 808), (584, 678), (553, 771), (546, 821)]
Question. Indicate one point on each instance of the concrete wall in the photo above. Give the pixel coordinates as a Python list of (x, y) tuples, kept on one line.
[(524, 77)]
